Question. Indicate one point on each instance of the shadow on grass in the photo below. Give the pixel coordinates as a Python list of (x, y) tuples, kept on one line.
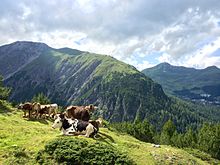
[(104, 138), (43, 121)]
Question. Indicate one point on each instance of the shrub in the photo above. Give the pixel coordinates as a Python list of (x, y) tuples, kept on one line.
[(41, 98), (79, 151), (4, 91), (17, 155), (202, 155), (141, 130)]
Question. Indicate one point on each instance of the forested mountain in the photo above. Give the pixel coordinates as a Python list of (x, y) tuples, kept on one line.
[(69, 76), (200, 85)]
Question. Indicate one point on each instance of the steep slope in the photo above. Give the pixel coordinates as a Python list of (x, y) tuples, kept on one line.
[(15, 56), (21, 146), (73, 77), (121, 92), (196, 84)]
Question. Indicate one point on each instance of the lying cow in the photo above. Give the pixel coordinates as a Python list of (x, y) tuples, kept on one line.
[(74, 126), (80, 112), (26, 107)]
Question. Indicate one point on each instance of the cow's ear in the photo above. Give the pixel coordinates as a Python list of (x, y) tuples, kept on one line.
[(91, 106)]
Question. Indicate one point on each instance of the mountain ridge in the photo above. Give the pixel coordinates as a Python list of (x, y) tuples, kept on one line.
[(82, 78), (181, 66), (188, 83), (121, 92)]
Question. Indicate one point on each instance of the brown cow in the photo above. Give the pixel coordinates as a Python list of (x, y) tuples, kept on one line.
[(26, 107), (80, 112)]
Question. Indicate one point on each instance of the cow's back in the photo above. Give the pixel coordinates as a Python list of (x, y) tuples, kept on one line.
[(78, 112), (84, 114), (27, 106)]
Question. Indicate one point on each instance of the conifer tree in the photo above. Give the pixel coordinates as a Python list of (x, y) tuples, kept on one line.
[(41, 98), (4, 91), (190, 139), (167, 132), (209, 139)]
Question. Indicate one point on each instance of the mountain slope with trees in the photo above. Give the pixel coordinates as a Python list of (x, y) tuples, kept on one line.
[(201, 85), (122, 93)]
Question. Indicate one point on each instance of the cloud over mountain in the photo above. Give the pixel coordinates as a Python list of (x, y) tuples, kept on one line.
[(142, 33)]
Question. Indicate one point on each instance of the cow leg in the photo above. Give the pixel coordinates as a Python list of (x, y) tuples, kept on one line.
[(24, 114), (66, 133), (40, 115), (50, 112), (36, 114), (29, 113), (89, 130)]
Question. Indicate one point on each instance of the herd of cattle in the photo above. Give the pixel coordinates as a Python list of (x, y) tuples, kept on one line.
[(74, 121)]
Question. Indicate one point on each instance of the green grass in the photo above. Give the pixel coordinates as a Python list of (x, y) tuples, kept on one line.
[(21, 139)]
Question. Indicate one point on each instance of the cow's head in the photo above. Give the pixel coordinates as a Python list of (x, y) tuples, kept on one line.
[(100, 122), (58, 121), (20, 106), (91, 108)]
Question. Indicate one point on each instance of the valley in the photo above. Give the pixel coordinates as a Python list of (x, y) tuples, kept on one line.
[(196, 85)]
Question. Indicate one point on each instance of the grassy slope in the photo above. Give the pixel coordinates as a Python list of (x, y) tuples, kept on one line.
[(16, 132), (109, 64)]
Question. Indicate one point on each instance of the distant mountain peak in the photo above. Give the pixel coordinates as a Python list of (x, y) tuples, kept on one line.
[(213, 67), (17, 43), (165, 64), (20, 45), (188, 83)]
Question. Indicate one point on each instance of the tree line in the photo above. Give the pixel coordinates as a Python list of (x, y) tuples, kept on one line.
[(206, 138)]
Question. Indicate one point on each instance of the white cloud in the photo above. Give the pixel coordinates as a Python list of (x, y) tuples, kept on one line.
[(128, 30), (139, 65), (202, 57)]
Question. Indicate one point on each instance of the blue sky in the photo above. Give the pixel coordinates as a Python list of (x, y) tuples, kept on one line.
[(142, 33)]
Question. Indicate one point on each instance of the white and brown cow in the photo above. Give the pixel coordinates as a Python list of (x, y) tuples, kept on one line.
[(44, 110), (74, 126)]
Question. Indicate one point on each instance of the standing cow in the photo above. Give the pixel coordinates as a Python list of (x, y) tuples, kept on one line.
[(48, 109), (80, 112), (26, 107)]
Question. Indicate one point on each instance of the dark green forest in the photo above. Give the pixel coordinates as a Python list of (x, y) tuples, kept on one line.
[(206, 138)]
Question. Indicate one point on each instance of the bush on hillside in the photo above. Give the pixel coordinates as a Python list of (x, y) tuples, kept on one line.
[(141, 130), (201, 155), (17, 155), (79, 151), (41, 98), (4, 91)]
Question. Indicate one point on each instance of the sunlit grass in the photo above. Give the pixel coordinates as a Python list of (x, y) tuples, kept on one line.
[(22, 136)]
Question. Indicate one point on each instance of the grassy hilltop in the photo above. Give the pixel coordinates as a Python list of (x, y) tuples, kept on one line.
[(22, 139)]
